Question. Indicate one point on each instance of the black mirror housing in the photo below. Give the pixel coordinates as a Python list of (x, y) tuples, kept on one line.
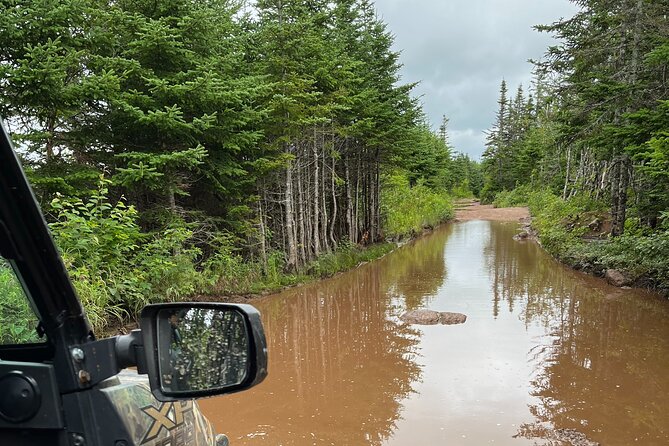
[(202, 349)]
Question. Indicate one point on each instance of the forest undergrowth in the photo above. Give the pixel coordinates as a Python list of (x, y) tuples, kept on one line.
[(576, 231)]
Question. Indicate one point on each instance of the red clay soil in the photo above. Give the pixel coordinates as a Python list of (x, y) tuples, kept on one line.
[(473, 210)]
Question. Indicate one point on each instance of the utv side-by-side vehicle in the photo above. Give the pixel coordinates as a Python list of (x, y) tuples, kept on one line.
[(60, 385)]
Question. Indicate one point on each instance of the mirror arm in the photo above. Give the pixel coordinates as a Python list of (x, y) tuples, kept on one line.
[(94, 362), (130, 351)]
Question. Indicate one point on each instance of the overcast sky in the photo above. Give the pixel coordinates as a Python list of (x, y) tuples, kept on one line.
[(460, 50)]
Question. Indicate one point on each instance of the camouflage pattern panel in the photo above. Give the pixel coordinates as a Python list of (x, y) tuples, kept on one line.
[(152, 423)]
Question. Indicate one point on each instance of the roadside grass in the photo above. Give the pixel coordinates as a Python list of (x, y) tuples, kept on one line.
[(563, 230), (17, 321), (519, 196), (408, 210), (232, 275)]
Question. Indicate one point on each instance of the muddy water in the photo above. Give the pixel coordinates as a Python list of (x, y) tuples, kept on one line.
[(544, 347)]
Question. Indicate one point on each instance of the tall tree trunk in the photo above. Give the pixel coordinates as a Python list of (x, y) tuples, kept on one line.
[(378, 197), (290, 225), (263, 232), (349, 197), (316, 234), (566, 177), (620, 204), (372, 207), (324, 210), (300, 217), (356, 232), (333, 238)]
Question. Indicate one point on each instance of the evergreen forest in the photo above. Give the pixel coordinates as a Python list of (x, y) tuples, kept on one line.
[(586, 146), (182, 148)]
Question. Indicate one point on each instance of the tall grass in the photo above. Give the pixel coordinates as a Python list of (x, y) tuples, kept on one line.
[(407, 210), (520, 196), (17, 321), (561, 224)]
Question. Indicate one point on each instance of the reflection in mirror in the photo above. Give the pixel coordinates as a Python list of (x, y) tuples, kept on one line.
[(201, 349)]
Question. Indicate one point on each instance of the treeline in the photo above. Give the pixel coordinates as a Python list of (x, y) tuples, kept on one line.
[(165, 138), (595, 132)]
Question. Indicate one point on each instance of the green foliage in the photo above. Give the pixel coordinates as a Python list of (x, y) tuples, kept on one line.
[(551, 217), (116, 268), (408, 210), (228, 273), (17, 321), (465, 177), (462, 190), (194, 110), (426, 158), (346, 256), (519, 196), (643, 257)]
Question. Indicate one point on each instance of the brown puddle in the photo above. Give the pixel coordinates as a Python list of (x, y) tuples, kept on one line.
[(544, 347)]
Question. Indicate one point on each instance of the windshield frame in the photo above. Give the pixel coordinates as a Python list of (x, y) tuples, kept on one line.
[(25, 241)]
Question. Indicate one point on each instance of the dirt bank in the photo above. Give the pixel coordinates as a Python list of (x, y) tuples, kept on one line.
[(473, 210)]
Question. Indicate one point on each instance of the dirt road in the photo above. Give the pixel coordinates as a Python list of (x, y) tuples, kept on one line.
[(473, 210)]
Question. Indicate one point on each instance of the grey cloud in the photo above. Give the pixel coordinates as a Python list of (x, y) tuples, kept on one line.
[(461, 50)]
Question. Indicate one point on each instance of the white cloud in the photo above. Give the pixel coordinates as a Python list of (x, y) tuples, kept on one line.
[(461, 50)]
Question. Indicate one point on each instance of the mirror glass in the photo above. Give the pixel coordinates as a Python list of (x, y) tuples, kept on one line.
[(201, 349)]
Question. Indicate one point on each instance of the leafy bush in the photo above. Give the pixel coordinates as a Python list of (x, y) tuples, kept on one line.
[(408, 210), (17, 321), (518, 197), (115, 267), (643, 257), (462, 190), (347, 256)]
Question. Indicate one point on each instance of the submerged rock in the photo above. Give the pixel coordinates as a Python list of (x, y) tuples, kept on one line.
[(565, 437), (573, 437), (447, 318), (523, 235), (431, 317), (617, 278)]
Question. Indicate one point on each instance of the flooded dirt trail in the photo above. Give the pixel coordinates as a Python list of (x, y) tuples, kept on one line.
[(545, 352), (473, 210)]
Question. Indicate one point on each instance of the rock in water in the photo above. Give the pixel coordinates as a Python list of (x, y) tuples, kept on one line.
[(523, 235), (447, 318), (421, 317), (573, 437), (431, 317), (616, 278)]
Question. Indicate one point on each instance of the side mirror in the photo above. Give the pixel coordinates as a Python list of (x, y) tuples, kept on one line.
[(202, 349)]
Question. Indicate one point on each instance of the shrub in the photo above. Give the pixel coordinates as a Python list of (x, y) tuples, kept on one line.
[(115, 267), (642, 256), (518, 197), (17, 321), (408, 210), (462, 190), (347, 256)]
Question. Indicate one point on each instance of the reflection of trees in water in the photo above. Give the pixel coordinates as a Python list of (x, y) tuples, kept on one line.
[(209, 349), (416, 272), (518, 271), (602, 369), (337, 361)]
